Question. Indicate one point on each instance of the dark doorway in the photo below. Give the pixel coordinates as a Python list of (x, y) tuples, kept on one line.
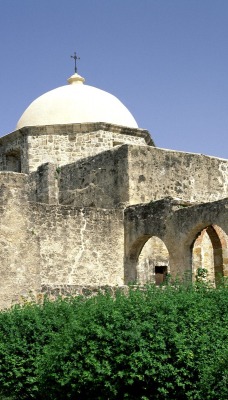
[(160, 274)]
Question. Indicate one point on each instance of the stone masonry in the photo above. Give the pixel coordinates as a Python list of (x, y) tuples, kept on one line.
[(94, 205)]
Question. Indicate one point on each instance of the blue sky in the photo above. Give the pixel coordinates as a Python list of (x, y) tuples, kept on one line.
[(166, 60)]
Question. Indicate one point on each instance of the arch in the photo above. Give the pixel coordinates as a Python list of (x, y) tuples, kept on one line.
[(148, 261), (13, 160), (209, 251)]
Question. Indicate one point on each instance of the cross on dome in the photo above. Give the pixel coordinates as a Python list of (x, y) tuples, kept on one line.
[(75, 57)]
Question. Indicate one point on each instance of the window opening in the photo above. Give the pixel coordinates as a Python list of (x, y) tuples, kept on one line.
[(13, 161)]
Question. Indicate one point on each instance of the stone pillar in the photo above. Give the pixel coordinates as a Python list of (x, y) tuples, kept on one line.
[(47, 183)]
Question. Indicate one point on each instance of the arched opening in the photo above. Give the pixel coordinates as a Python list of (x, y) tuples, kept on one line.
[(209, 252), (153, 262), (148, 261), (13, 161)]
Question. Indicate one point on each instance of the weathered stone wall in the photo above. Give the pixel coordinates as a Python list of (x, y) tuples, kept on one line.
[(156, 173), (54, 246), (64, 144), (78, 246), (99, 181), (130, 175), (19, 249)]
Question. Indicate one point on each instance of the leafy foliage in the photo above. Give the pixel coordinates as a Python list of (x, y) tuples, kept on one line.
[(155, 343)]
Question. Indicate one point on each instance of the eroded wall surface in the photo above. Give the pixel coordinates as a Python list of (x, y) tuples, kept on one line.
[(130, 175), (78, 246), (19, 249), (99, 181), (54, 245), (157, 173)]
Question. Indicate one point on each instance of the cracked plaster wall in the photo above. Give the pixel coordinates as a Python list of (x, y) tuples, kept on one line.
[(78, 246), (19, 249), (54, 245)]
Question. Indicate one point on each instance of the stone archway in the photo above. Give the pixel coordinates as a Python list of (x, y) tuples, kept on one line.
[(209, 251), (148, 261), (178, 226), (153, 262)]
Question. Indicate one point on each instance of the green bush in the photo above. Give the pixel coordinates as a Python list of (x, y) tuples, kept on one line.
[(156, 343)]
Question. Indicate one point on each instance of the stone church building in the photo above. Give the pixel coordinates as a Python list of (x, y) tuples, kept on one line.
[(88, 200)]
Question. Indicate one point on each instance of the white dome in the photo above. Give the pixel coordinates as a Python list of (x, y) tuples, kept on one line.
[(76, 103)]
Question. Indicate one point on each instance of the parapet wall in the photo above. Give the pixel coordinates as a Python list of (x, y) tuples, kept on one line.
[(130, 175), (99, 181), (157, 173)]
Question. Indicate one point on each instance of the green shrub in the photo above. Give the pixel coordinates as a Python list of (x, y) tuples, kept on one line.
[(156, 343)]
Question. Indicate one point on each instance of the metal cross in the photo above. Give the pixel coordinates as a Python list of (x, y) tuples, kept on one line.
[(75, 57)]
